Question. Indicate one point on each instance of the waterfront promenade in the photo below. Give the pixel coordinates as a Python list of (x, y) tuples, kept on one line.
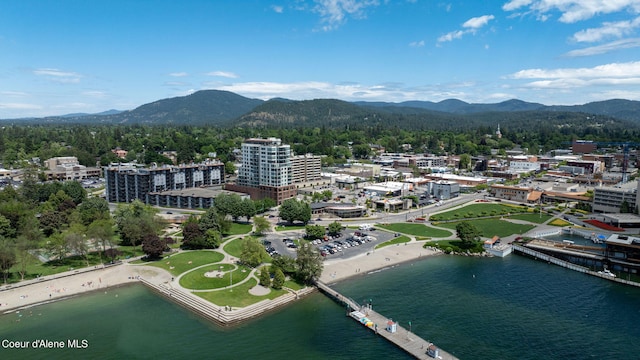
[(403, 338)]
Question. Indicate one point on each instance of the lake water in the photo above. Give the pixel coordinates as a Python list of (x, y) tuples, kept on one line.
[(474, 308)]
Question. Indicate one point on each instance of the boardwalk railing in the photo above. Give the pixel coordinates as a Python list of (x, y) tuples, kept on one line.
[(402, 338), (550, 259)]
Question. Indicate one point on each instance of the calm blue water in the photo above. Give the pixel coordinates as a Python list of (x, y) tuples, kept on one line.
[(489, 308)]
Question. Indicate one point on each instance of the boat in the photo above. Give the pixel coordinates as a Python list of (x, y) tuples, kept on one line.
[(607, 272)]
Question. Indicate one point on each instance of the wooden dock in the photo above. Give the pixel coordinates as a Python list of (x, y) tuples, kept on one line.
[(408, 341)]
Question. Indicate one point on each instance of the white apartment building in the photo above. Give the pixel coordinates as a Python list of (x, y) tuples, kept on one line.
[(265, 162)]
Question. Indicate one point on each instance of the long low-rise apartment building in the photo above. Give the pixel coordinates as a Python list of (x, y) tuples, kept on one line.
[(129, 182)]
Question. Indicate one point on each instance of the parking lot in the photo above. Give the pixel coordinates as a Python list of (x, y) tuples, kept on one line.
[(348, 243)]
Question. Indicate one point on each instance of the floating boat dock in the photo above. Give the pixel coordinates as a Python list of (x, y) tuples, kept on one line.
[(381, 325)]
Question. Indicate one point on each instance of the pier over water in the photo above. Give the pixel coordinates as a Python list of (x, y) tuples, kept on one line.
[(401, 337)]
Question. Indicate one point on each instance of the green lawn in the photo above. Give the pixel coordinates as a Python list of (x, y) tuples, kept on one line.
[(456, 245), (240, 296), (530, 217), (417, 230), (36, 268), (234, 247), (196, 280), (185, 261), (289, 227), (490, 227), (293, 285), (478, 210), (398, 240), (239, 229)]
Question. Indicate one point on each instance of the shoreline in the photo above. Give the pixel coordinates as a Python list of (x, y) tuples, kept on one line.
[(336, 270), (66, 286)]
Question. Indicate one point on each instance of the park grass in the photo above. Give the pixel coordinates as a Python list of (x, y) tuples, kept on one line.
[(36, 268), (195, 280), (240, 296), (559, 222), (478, 210), (289, 227), (185, 261), (234, 247), (398, 240), (293, 285), (417, 230), (491, 227), (455, 246), (239, 229), (534, 218)]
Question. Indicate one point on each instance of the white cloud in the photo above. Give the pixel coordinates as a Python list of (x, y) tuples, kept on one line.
[(622, 70), (478, 22), (607, 30), (225, 74), (614, 74), (59, 76), (277, 8), (179, 74), (573, 10), (417, 43), (471, 26), (333, 13), (605, 48)]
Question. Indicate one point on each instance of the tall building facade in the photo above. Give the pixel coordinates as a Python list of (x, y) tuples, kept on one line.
[(266, 170), (128, 182)]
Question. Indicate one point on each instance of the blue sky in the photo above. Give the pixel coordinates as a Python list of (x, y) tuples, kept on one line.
[(67, 56)]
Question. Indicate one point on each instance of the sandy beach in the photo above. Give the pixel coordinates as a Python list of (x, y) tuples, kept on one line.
[(341, 268), (62, 286)]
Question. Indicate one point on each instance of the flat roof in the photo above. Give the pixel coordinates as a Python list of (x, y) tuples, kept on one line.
[(623, 218)]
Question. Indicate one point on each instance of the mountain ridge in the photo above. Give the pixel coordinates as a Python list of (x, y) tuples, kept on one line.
[(224, 108)]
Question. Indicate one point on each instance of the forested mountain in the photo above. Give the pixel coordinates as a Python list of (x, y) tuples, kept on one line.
[(206, 107), (223, 108)]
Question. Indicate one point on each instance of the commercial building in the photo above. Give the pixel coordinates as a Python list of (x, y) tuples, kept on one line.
[(68, 168), (305, 168), (129, 182), (266, 170), (609, 199)]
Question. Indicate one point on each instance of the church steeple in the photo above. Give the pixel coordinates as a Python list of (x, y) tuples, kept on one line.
[(498, 133)]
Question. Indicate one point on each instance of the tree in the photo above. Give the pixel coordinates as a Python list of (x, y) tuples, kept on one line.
[(265, 277), (334, 228), (285, 263), (93, 208), (248, 208), (293, 210), (229, 168), (153, 246), (308, 263), (75, 190), (77, 242), (467, 232), (314, 232), (7, 257), (192, 236), (278, 279), (465, 161), (261, 224), (288, 210), (102, 232), (136, 220), (252, 252)]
